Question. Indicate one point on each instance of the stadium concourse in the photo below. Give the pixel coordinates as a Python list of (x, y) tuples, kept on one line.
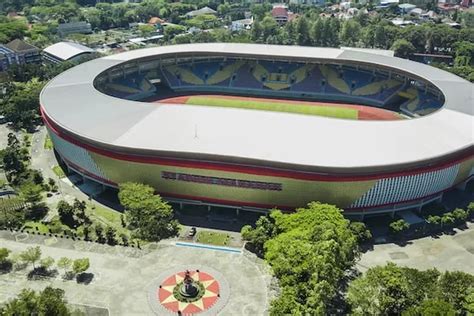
[(258, 126)]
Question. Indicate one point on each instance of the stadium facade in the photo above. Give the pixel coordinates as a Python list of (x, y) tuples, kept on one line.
[(103, 128)]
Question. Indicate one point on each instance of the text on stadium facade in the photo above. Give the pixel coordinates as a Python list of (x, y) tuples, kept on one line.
[(222, 181)]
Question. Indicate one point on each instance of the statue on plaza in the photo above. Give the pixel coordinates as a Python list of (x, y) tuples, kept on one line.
[(188, 288)]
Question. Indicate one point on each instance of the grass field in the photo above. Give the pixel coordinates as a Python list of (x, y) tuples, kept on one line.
[(212, 238), (48, 144), (59, 171), (268, 105)]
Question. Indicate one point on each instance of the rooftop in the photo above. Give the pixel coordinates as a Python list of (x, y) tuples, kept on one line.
[(280, 138), (67, 50), (20, 46)]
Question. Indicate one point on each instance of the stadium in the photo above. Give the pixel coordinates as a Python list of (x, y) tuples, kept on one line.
[(259, 126)]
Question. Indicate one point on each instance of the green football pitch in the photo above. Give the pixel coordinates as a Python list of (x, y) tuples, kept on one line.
[(268, 105)]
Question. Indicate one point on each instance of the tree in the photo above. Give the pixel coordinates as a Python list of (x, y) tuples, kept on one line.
[(303, 31), (350, 32), (434, 220), (360, 231), (403, 48), (66, 213), (381, 291), (447, 219), (80, 265), (21, 108), (147, 214), (263, 231), (31, 255), (469, 305), (171, 31), (309, 251), (86, 231), (132, 194), (390, 289), (110, 235), (454, 287), (431, 307), (64, 263), (146, 30), (416, 35), (99, 232), (47, 263), (269, 27), (460, 215), (31, 193), (48, 302), (317, 33), (399, 226), (4, 253)]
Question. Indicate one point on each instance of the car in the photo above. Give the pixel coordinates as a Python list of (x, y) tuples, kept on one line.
[(192, 232)]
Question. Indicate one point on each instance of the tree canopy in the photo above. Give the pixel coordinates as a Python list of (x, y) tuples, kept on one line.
[(147, 215), (309, 250), (50, 301), (390, 290)]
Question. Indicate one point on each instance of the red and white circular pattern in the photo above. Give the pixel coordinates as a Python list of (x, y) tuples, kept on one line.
[(168, 300)]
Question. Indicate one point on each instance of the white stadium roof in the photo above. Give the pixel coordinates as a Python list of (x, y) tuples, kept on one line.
[(67, 50), (288, 139)]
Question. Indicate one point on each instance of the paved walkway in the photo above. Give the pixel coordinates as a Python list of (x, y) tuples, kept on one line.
[(447, 252), (122, 276)]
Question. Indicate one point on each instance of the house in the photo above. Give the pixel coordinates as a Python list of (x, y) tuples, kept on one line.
[(401, 22), (281, 14), (18, 52), (3, 62), (81, 27), (202, 11), (244, 24), (65, 51), (309, 2), (406, 8), (156, 21)]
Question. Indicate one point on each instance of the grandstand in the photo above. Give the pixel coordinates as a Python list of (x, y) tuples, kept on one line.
[(257, 126), (320, 82)]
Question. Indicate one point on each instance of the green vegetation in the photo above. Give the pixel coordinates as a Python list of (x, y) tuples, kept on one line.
[(212, 238), (48, 144), (147, 215), (320, 110), (59, 171), (181, 298), (309, 251), (394, 290), (313, 251), (50, 301), (80, 265), (36, 226)]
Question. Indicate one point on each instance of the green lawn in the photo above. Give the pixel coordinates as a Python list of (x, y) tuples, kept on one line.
[(59, 171), (213, 238), (48, 144), (31, 226), (108, 217), (111, 216), (328, 111)]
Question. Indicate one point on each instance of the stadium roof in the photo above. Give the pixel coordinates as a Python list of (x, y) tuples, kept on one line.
[(67, 50), (318, 143)]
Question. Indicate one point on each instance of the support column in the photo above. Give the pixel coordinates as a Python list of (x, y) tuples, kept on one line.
[(180, 206), (440, 199), (237, 211), (462, 186), (208, 208)]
